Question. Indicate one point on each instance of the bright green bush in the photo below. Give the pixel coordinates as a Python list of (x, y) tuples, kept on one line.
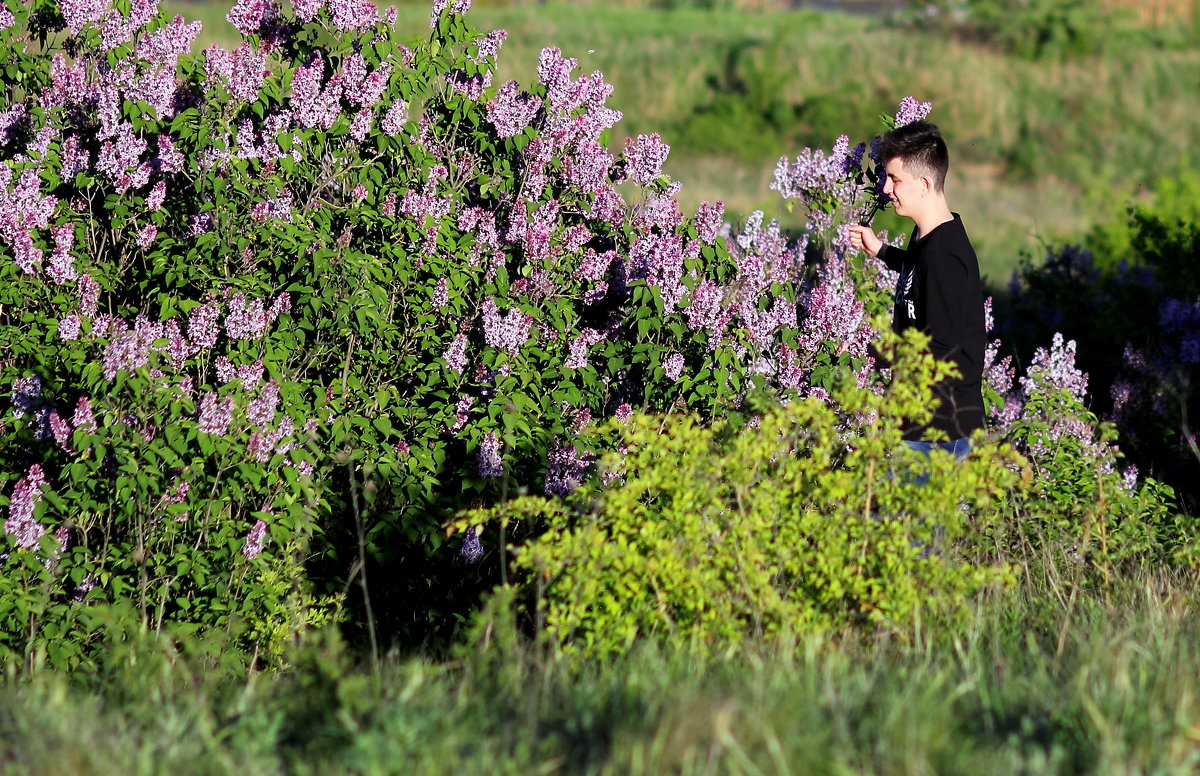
[(715, 533)]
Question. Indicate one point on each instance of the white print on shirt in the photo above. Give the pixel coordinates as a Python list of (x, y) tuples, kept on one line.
[(903, 288)]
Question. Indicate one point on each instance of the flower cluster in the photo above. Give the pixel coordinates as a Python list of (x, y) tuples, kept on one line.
[(911, 110), (644, 158), (21, 523), (508, 332), (566, 469), (490, 464), (823, 181)]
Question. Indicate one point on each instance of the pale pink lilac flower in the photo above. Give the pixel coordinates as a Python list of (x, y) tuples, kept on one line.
[(177, 493), (145, 236), (709, 217), (1054, 369), (462, 412), (352, 14), (263, 408), (577, 356), (74, 158), (61, 268), (247, 16), (307, 10), (60, 428), (79, 13), (489, 45)]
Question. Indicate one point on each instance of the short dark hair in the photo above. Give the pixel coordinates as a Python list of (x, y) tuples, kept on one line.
[(922, 149)]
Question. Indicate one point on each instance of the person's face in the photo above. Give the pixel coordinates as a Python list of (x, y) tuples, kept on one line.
[(903, 188)]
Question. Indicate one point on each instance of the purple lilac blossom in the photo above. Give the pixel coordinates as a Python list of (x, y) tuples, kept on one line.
[(352, 14), (79, 13), (507, 333), (833, 313), (490, 464), (470, 85), (910, 110), (262, 409), (462, 412), (26, 395), (456, 355), (61, 268), (216, 413), (394, 119), (84, 419), (1055, 369), (673, 366), (709, 217), (566, 469), (818, 180), (68, 328), (489, 45), (21, 506), (145, 236), (644, 158), (255, 540), (307, 10), (472, 549), (60, 428), (22, 210), (577, 356), (511, 111)]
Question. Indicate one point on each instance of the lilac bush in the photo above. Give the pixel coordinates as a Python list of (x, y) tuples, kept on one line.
[(290, 305)]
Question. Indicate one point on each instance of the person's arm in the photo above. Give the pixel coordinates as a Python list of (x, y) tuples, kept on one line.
[(892, 256), (863, 238)]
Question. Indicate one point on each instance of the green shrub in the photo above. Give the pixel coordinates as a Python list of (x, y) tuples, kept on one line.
[(716, 534)]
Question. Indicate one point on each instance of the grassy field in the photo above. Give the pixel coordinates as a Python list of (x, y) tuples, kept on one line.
[(1041, 149), (1056, 677)]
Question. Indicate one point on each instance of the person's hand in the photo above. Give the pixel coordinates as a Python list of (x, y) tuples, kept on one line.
[(862, 238)]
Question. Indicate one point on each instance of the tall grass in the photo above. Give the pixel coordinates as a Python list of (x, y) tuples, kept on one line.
[(1060, 675)]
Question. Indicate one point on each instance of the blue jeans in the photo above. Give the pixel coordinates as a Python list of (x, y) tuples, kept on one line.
[(959, 447)]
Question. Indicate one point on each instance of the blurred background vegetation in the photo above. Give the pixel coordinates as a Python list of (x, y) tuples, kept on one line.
[(1060, 113)]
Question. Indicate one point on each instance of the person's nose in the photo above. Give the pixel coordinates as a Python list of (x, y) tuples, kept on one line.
[(887, 187)]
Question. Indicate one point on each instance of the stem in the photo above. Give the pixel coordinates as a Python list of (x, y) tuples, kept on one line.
[(362, 564)]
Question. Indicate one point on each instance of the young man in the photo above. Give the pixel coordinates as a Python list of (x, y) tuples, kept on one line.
[(938, 291)]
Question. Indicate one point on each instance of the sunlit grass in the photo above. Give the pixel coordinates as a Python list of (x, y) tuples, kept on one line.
[(1060, 675)]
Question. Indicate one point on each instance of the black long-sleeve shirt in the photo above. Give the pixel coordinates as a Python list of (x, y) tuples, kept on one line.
[(939, 292)]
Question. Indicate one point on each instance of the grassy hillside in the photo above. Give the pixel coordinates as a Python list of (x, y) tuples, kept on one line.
[(1041, 149)]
